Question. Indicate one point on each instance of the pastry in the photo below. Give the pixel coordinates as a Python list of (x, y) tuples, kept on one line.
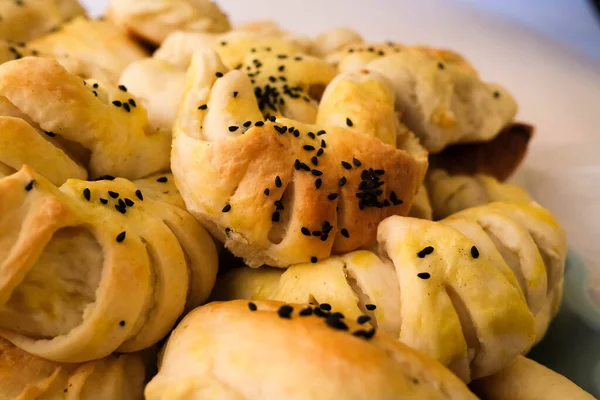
[(95, 267), (91, 49), (472, 291), (524, 379), (335, 41), (421, 206), (24, 376), (270, 351), (85, 124), (24, 20), (449, 194), (282, 191), (153, 20)]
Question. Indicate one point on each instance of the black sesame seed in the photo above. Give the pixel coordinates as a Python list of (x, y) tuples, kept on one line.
[(278, 181), (318, 183), (381, 53), (252, 306), (370, 307), (223, 43), (227, 231), (235, 94), (313, 260), (247, 124), (120, 208), (297, 164), (129, 202), (275, 216), (233, 128), (496, 94), (162, 179), (394, 199), (272, 118), (259, 123), (346, 165), (441, 65), (139, 194), (281, 68), (332, 196), (334, 322), (122, 88), (219, 74), (112, 194), (103, 201), (325, 306), (426, 251), (126, 107), (122, 323), (474, 252), (227, 208), (424, 275), (317, 233), (316, 172), (363, 319), (306, 312), (296, 133), (305, 231), (117, 103), (95, 86), (320, 152), (379, 172), (29, 186), (320, 313), (343, 181), (282, 56), (281, 129), (308, 147), (51, 134), (132, 103), (285, 311), (371, 49), (365, 334), (356, 162), (121, 236), (349, 122), (345, 233), (87, 194), (321, 132), (323, 143), (311, 135), (314, 160), (203, 107)]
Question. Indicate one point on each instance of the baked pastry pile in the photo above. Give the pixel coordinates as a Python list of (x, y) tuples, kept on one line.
[(352, 195)]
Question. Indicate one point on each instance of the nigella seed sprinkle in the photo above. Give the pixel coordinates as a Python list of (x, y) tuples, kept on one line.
[(365, 334), (306, 312), (356, 162), (349, 122), (281, 129), (122, 203), (117, 103), (95, 86), (363, 319), (132, 103), (29, 186), (227, 231), (308, 147), (297, 165), (318, 183), (252, 306), (320, 152), (278, 181), (120, 208), (425, 252), (496, 94), (424, 275), (345, 233), (316, 172), (219, 74), (227, 208), (203, 107), (314, 160), (346, 165), (223, 43), (343, 181), (267, 191), (275, 216), (233, 128), (325, 306), (305, 231), (321, 132), (272, 79), (121, 237), (162, 179), (87, 194), (332, 196), (474, 252), (103, 201), (285, 311), (370, 307), (126, 107), (112, 194), (129, 202), (272, 118), (139, 194), (441, 65), (282, 56), (259, 123), (380, 53), (313, 260), (281, 68), (122, 323), (51, 134), (311, 135), (235, 94), (323, 144), (247, 124), (95, 93), (122, 88), (296, 133)]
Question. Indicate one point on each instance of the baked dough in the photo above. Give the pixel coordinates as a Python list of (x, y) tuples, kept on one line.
[(153, 20), (472, 291), (227, 351), (335, 40), (524, 379), (24, 376), (95, 266), (91, 49), (271, 190), (453, 193), (24, 20), (83, 123)]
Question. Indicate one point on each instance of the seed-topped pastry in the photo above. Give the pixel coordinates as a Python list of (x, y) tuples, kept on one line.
[(472, 291), (153, 20), (277, 190), (270, 351), (24, 20), (95, 267), (80, 124)]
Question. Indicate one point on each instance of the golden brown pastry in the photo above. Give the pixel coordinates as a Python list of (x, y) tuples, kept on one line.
[(421, 206), (95, 266), (272, 351), (281, 191), (80, 124), (153, 20), (334, 41), (472, 291), (449, 194), (24, 20), (91, 49), (525, 379), (24, 376)]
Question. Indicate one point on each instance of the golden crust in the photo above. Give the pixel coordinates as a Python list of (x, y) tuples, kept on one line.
[(213, 352), (24, 376), (84, 119), (525, 379), (154, 20), (335, 40), (223, 165), (70, 257), (26, 20)]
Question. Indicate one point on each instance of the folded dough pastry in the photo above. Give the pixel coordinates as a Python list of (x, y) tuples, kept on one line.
[(449, 194), (80, 124), (472, 291), (271, 351), (24, 376), (91, 49), (96, 266), (24, 20), (285, 190), (524, 379), (153, 20)]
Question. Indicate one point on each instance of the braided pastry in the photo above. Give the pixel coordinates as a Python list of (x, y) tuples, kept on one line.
[(95, 266), (24, 20), (284, 191), (88, 124), (153, 20), (24, 376), (272, 351), (472, 291)]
